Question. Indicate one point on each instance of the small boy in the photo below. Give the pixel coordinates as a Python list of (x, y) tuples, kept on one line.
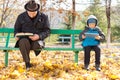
[(91, 43)]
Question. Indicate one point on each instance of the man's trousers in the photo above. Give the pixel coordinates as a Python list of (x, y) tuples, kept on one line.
[(25, 45)]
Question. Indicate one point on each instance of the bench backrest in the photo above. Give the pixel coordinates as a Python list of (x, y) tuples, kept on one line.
[(53, 31), (8, 31)]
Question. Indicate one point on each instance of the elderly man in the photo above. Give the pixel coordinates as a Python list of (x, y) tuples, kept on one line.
[(31, 21)]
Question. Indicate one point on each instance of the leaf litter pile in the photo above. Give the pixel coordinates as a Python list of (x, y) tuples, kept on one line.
[(59, 65)]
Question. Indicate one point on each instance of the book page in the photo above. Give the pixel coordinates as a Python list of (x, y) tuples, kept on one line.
[(24, 34), (29, 34), (91, 35)]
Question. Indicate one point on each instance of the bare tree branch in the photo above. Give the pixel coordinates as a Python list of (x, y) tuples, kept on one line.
[(6, 10)]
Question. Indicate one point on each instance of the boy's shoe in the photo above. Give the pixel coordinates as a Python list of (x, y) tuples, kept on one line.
[(86, 67), (97, 66), (28, 66)]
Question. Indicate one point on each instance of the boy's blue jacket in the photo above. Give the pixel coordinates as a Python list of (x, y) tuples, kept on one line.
[(91, 41)]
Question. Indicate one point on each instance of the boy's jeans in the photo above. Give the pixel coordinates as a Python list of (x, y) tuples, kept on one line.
[(87, 51)]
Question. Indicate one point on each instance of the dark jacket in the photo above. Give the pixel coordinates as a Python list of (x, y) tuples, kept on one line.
[(40, 25), (91, 41)]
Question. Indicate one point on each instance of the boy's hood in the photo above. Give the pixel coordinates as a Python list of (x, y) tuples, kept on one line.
[(94, 17)]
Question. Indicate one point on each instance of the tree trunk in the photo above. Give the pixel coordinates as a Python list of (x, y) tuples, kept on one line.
[(108, 6), (73, 21), (73, 14), (40, 5)]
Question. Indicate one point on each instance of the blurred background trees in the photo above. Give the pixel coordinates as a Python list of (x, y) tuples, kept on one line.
[(9, 9), (6, 8), (66, 14), (115, 23)]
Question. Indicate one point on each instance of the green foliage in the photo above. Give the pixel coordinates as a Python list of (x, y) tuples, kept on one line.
[(115, 32), (52, 39), (115, 23), (99, 11), (80, 24)]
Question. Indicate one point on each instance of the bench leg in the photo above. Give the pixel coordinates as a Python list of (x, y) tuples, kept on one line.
[(76, 56), (6, 58)]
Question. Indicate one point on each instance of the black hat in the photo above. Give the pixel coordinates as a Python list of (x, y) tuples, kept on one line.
[(32, 6)]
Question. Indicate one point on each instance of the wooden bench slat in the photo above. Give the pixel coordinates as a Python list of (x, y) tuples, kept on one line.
[(62, 31), (6, 30), (3, 48), (65, 49)]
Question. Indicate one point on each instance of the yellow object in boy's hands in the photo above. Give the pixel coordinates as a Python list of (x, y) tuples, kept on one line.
[(97, 37)]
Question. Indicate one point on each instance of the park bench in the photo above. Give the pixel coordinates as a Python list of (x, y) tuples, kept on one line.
[(8, 34)]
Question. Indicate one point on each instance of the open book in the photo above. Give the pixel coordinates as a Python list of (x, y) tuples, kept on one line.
[(23, 34), (91, 35)]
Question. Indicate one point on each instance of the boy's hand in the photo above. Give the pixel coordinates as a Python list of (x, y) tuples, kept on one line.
[(98, 37), (83, 36), (34, 37)]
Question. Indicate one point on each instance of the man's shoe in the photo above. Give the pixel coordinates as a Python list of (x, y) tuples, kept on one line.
[(98, 67), (37, 52), (86, 67)]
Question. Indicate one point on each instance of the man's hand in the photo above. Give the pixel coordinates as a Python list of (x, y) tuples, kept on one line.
[(34, 37), (98, 37), (16, 38)]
